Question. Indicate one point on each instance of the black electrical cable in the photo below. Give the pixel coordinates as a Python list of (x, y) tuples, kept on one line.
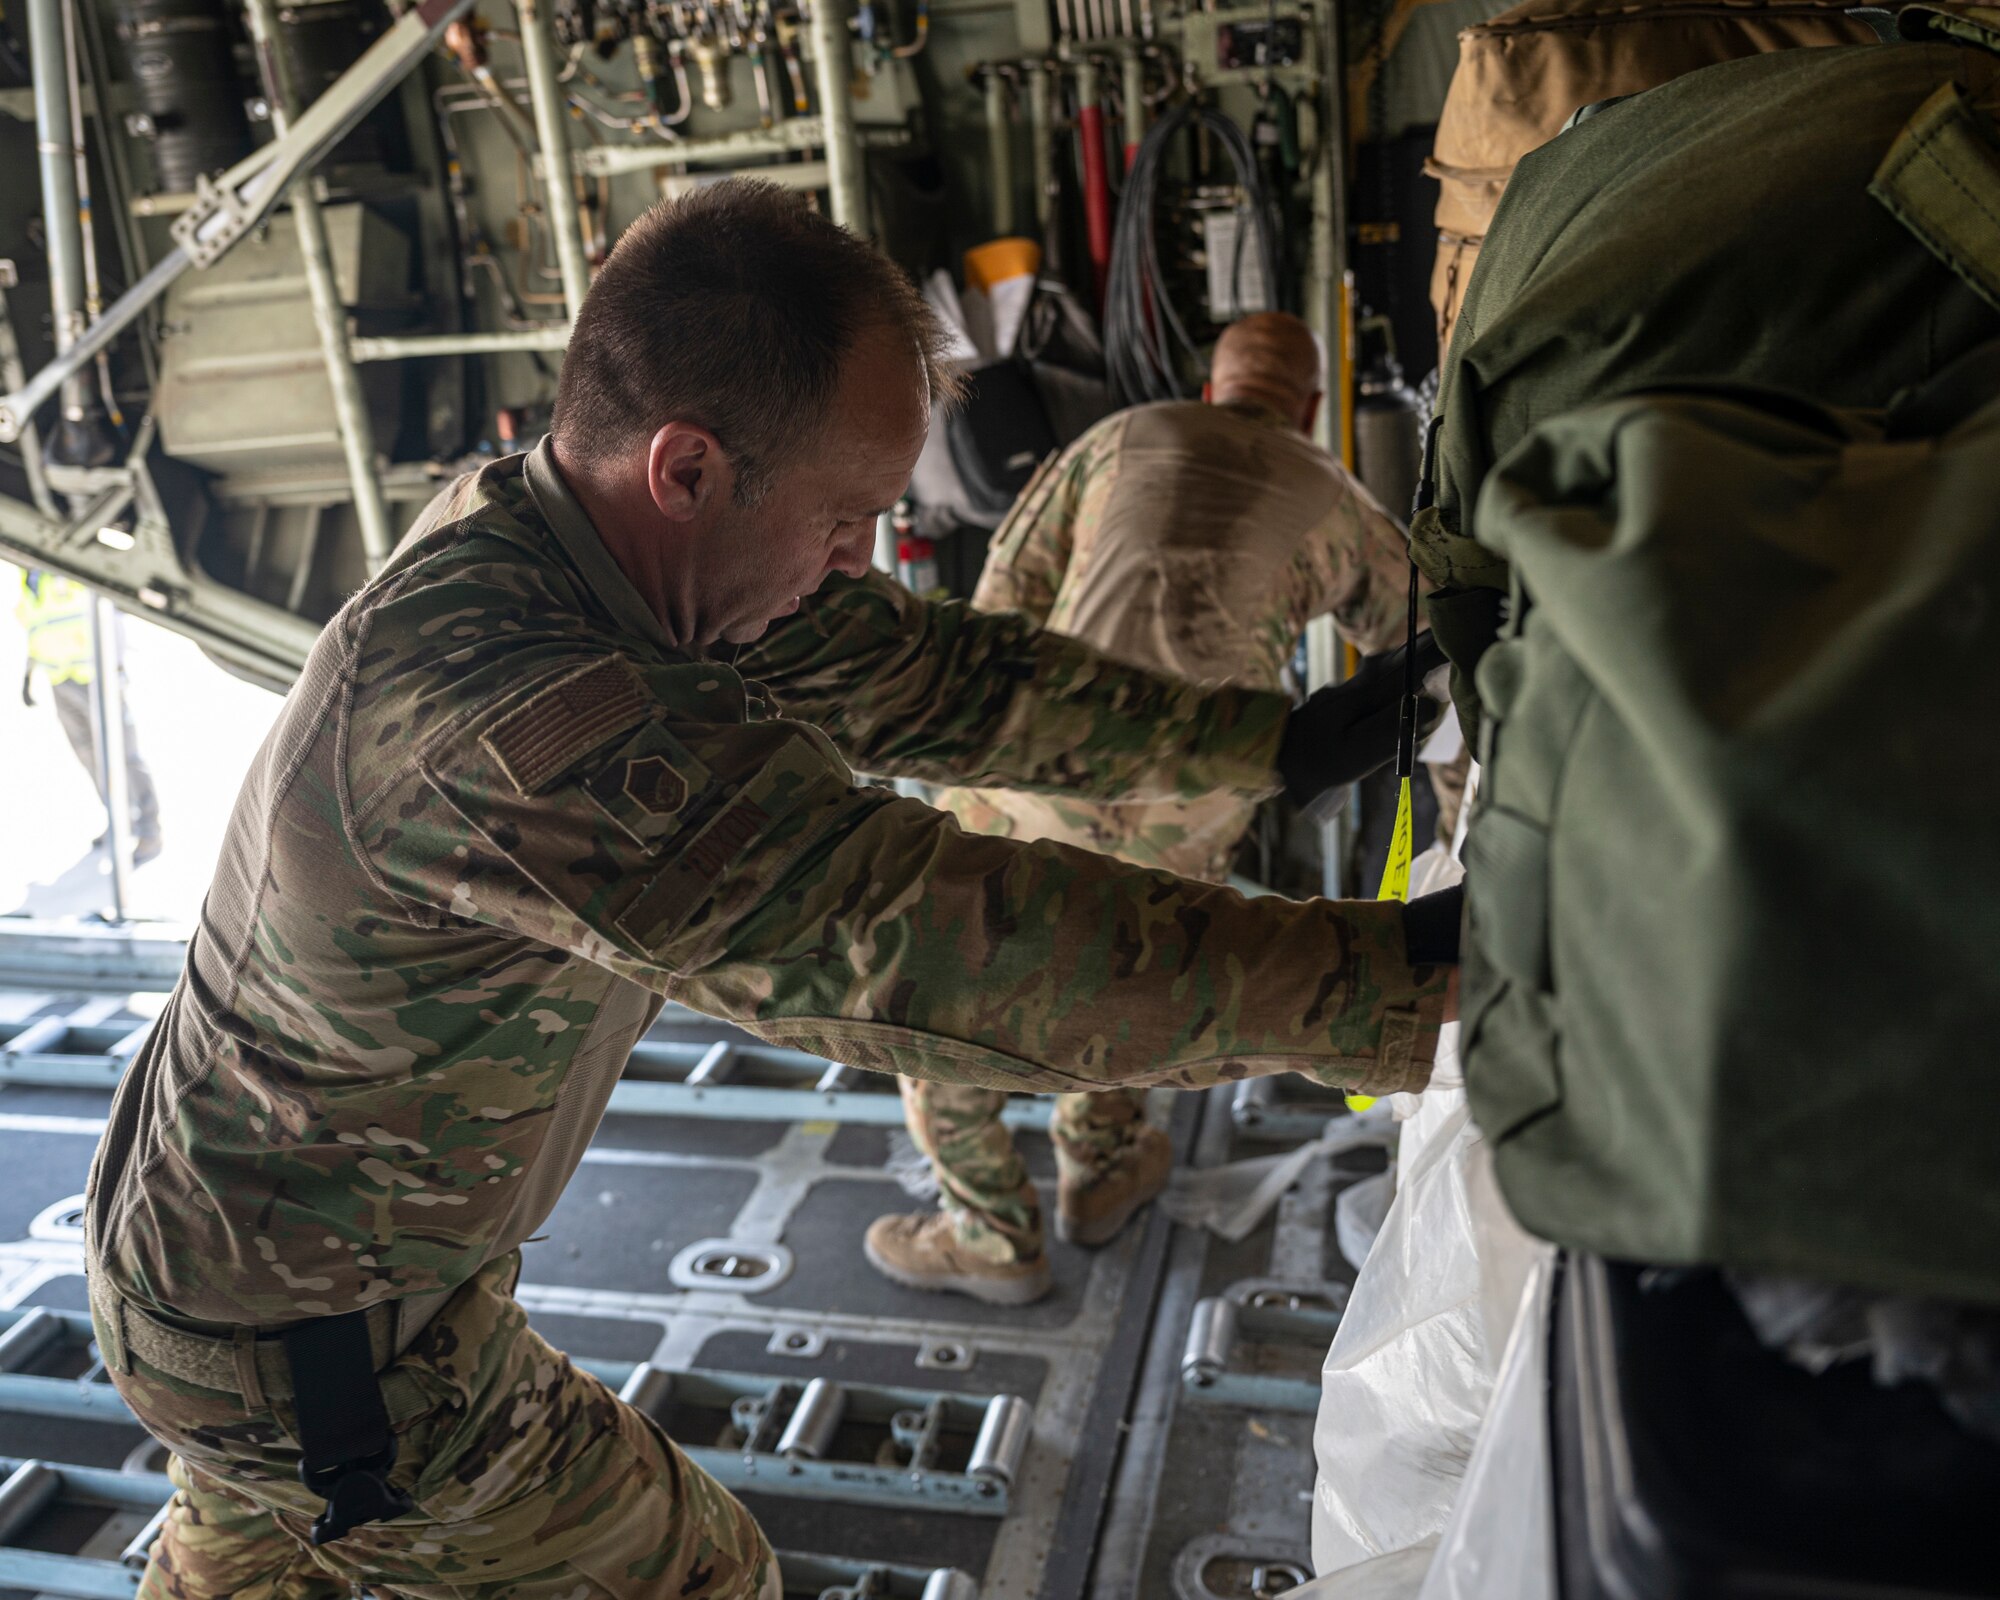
[(1143, 333)]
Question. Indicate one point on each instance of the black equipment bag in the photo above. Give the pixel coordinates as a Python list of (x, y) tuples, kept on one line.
[(999, 435)]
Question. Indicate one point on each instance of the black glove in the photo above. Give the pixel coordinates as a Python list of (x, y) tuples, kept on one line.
[(1347, 730), (1431, 924)]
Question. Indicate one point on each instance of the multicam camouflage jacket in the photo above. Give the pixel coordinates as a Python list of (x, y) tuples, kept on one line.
[(499, 820), (1196, 540)]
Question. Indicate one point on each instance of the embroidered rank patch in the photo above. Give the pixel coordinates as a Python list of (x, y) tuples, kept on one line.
[(654, 786), (671, 898), (542, 739), (727, 837)]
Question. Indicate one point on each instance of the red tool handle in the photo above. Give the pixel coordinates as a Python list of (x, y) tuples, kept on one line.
[(1096, 195)]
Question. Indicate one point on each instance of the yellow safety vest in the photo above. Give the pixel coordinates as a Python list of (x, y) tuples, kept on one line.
[(56, 614)]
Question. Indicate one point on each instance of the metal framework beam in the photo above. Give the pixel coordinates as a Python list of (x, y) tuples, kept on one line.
[(265, 640), (1041, 145), (545, 94), (833, 67), (350, 406), (107, 716), (390, 347), (792, 136), (233, 204), (1000, 151), (61, 207)]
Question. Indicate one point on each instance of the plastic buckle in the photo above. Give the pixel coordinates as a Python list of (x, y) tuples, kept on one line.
[(356, 1492)]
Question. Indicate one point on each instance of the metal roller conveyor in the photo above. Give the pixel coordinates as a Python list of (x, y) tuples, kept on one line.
[(45, 1484), (140, 1545), (102, 1486), (649, 1389), (794, 1456), (1283, 1109), (72, 1325), (25, 1495), (1300, 1322), (814, 1421), (1002, 1441), (725, 1080), (1211, 1337), (31, 1337)]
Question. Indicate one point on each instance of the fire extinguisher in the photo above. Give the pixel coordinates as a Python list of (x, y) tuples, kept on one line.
[(916, 564)]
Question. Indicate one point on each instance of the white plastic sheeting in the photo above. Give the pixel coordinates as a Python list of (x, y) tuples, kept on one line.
[(1391, 1577), (1409, 1378), (1231, 1199), (1359, 1211), (1497, 1542)]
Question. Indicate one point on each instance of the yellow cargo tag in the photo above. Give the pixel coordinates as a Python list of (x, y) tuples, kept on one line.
[(1396, 871), (1395, 885)]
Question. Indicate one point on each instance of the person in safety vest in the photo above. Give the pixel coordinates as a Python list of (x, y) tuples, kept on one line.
[(55, 613)]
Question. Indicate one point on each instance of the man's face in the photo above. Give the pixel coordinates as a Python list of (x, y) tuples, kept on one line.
[(818, 517)]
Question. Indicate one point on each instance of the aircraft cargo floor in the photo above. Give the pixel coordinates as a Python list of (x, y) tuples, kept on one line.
[(1144, 1430)]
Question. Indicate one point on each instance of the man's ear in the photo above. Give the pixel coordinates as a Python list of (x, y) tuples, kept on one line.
[(687, 471), (1312, 412), (1208, 394)]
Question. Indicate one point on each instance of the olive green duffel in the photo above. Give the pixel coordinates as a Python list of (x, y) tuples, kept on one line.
[(1732, 966), (1826, 221)]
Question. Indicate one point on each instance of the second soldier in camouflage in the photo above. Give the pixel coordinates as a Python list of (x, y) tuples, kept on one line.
[(1198, 540)]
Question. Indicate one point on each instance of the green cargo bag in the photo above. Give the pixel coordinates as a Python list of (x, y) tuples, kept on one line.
[(1732, 964), (1824, 221)]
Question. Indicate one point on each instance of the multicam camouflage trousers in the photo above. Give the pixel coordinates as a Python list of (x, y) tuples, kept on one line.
[(983, 1183), (532, 1481)]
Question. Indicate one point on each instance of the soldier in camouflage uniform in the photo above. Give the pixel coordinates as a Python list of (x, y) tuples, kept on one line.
[(1196, 540), (582, 747)]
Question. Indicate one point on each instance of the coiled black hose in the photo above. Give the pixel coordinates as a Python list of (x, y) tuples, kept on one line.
[(1144, 335)]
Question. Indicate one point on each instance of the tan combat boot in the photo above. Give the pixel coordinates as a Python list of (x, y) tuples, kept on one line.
[(924, 1252), (1090, 1210)]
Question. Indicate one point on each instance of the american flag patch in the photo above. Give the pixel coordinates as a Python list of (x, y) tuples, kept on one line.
[(559, 725)]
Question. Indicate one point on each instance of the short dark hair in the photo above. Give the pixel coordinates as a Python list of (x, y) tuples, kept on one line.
[(733, 307)]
